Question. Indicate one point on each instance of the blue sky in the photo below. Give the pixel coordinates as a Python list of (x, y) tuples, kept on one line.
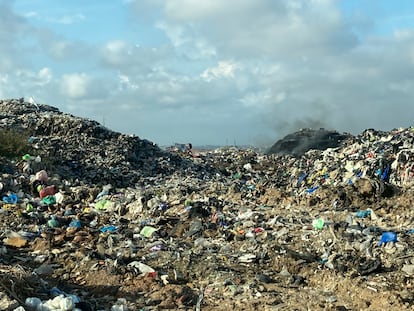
[(213, 72)]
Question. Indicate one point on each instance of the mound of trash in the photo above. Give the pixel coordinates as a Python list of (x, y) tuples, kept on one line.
[(222, 229), (299, 142), (83, 149)]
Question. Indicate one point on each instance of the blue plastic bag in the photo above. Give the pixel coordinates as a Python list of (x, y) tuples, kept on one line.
[(108, 228), (388, 237), (363, 214), (10, 199)]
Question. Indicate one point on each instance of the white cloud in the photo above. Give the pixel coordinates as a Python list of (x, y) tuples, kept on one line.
[(176, 33), (4, 78), (273, 28), (186, 42), (258, 100), (39, 79), (12, 28), (224, 69), (404, 87), (68, 19), (118, 53), (280, 97), (30, 14), (117, 47), (6, 64), (75, 85), (193, 9), (45, 76), (60, 49), (125, 82)]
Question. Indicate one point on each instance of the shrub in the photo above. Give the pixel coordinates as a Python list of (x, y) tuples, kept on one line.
[(13, 143)]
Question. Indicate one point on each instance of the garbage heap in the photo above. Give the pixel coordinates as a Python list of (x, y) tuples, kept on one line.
[(300, 142), (224, 229), (79, 148)]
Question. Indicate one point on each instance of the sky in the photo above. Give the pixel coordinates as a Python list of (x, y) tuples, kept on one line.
[(213, 72)]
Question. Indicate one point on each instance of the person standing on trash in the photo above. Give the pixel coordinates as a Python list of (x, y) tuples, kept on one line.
[(188, 149), (384, 170)]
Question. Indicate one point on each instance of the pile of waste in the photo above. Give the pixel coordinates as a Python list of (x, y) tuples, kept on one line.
[(300, 142), (81, 148), (97, 220)]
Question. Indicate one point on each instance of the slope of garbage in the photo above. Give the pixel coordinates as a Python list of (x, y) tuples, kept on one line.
[(78, 148), (298, 143), (97, 220)]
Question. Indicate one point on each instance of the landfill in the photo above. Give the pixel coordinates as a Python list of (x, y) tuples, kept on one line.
[(92, 219)]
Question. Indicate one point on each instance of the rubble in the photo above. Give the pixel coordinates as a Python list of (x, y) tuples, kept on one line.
[(97, 220)]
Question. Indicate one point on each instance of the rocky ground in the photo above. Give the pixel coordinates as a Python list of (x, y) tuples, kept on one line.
[(97, 220)]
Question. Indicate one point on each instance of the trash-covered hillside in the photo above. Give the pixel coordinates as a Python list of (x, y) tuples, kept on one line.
[(92, 219)]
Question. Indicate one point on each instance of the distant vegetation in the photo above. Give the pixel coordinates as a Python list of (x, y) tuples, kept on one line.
[(13, 143)]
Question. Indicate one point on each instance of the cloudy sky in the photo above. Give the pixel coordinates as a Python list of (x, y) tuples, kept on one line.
[(213, 71)]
